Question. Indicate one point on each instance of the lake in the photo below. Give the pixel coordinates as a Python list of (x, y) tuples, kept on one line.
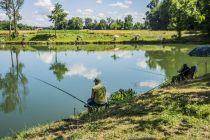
[(26, 102)]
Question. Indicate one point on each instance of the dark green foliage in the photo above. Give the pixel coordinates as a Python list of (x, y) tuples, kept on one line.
[(122, 95), (102, 25), (88, 23), (128, 23), (75, 23)]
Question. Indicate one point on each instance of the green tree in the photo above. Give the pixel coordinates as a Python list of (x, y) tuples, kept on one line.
[(76, 23), (128, 24), (120, 24), (102, 24), (138, 26), (109, 22), (6, 5), (114, 26), (157, 18), (180, 12), (15, 8), (204, 17), (57, 16), (88, 23)]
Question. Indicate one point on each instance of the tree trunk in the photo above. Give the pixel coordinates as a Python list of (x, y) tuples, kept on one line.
[(10, 28), (14, 17), (15, 22), (55, 30), (179, 33)]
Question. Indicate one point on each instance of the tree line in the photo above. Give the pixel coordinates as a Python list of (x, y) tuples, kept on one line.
[(58, 18), (178, 15)]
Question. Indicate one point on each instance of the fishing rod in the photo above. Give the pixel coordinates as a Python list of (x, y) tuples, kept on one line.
[(148, 71), (165, 82), (60, 90)]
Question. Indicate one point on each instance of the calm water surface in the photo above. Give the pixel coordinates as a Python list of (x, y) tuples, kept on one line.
[(26, 102)]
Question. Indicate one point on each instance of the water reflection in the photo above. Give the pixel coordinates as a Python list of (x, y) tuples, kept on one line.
[(121, 54), (59, 69), (171, 60), (13, 85), (82, 70), (150, 84)]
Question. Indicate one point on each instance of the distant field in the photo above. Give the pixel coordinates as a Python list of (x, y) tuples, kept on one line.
[(92, 35)]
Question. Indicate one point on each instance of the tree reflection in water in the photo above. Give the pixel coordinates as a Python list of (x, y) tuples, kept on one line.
[(59, 69), (13, 85)]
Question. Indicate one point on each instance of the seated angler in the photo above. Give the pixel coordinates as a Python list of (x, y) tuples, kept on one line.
[(192, 71), (183, 73), (98, 97)]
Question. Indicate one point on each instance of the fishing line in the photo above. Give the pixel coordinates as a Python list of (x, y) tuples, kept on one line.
[(147, 71), (38, 79)]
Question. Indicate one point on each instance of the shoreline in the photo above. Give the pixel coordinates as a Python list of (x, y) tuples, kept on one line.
[(103, 43), (82, 127)]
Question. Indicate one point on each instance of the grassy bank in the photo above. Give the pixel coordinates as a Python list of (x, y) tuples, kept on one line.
[(171, 112), (102, 37)]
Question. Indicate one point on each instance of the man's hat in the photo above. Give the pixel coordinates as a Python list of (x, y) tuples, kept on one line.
[(97, 80)]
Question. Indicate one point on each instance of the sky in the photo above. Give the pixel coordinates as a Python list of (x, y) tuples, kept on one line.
[(34, 12)]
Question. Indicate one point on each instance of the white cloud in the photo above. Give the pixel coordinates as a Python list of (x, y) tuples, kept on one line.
[(137, 16), (101, 15), (99, 1), (142, 64), (45, 4), (128, 2), (121, 5), (3, 16), (85, 12), (81, 70), (150, 84), (123, 54), (47, 57), (99, 57), (39, 17)]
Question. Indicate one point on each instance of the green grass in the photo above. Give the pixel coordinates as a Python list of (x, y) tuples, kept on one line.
[(171, 112), (100, 36)]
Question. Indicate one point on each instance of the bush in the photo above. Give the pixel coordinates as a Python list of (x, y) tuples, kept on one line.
[(122, 95)]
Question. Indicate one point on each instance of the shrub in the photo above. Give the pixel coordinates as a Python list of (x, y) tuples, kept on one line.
[(122, 95)]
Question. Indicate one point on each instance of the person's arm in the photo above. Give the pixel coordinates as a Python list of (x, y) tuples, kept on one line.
[(93, 94)]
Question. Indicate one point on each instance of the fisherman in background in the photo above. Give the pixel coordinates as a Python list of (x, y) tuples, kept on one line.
[(185, 73)]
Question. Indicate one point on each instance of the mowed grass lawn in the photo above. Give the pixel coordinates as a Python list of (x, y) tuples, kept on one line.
[(90, 35)]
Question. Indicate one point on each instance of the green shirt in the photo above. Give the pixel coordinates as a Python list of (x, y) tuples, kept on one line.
[(99, 94)]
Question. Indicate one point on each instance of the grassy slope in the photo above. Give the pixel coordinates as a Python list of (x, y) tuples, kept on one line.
[(181, 112), (98, 36)]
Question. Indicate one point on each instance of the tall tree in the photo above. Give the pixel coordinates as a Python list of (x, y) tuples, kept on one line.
[(128, 25), (6, 5), (181, 11), (15, 8), (157, 18), (57, 16), (109, 22), (204, 18), (76, 23), (120, 24), (88, 23), (102, 24)]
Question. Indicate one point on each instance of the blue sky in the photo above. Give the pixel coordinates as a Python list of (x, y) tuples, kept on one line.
[(34, 12)]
